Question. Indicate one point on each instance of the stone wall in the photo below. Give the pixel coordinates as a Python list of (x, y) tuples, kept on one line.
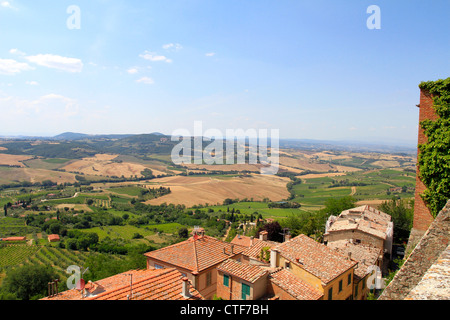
[(425, 254)]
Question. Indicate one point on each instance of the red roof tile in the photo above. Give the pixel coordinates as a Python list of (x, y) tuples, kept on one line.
[(150, 284), (316, 258), (246, 272), (196, 255), (297, 288)]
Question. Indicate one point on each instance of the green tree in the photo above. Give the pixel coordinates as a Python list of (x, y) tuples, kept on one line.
[(183, 233), (402, 213), (29, 281)]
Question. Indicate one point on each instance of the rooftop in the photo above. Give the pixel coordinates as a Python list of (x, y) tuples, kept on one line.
[(197, 253), (316, 258), (294, 286), (364, 218), (150, 284), (366, 256), (246, 272)]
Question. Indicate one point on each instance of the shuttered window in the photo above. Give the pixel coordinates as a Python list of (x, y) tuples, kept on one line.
[(245, 291)]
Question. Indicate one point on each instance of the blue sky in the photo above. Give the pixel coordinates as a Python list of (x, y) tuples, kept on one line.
[(311, 69)]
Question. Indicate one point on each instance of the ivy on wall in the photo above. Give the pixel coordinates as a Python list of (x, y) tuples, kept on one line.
[(434, 156)]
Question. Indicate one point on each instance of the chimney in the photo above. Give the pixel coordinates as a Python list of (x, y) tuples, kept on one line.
[(53, 288), (273, 259), (349, 255), (251, 240), (263, 236), (185, 288), (287, 237), (232, 247)]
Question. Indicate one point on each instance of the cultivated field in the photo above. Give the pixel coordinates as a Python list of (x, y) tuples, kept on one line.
[(214, 190), (103, 165), (13, 160)]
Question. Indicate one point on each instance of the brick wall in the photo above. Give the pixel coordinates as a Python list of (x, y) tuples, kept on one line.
[(422, 215)]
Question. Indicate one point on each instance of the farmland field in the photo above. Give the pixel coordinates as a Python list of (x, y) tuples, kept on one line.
[(214, 190)]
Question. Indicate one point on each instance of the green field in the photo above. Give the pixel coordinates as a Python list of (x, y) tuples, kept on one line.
[(127, 190), (314, 192), (10, 227), (127, 231), (258, 208)]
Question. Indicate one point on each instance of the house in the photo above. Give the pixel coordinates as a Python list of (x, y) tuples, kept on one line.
[(284, 285), (197, 258), (150, 284), (369, 260), (53, 238), (321, 267), (241, 281), (14, 239), (364, 225)]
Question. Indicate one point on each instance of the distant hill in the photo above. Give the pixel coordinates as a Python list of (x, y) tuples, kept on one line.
[(70, 136), (354, 146)]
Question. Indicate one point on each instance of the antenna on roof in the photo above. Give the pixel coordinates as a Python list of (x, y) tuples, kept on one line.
[(130, 296)]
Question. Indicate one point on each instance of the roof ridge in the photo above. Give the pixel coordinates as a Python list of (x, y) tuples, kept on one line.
[(159, 272), (195, 256)]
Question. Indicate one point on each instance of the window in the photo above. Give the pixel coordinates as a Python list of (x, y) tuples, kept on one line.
[(157, 266), (330, 293), (287, 264), (226, 280), (208, 279), (245, 291), (340, 285), (349, 279)]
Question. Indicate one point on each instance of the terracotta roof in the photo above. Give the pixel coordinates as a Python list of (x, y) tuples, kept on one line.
[(316, 258), (297, 288), (196, 255), (364, 218), (150, 284), (13, 239), (52, 237), (255, 250), (246, 272), (242, 240), (366, 256)]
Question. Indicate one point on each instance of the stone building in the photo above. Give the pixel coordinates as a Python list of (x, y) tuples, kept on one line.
[(363, 225)]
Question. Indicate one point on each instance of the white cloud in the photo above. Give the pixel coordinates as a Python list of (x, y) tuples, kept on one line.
[(210, 54), (11, 67), (133, 70), (174, 46), (151, 56), (17, 52), (6, 4), (145, 80), (32, 83), (57, 62)]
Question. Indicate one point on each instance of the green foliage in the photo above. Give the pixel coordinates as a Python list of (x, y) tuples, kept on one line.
[(28, 282), (402, 213), (265, 254), (434, 156), (336, 206)]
